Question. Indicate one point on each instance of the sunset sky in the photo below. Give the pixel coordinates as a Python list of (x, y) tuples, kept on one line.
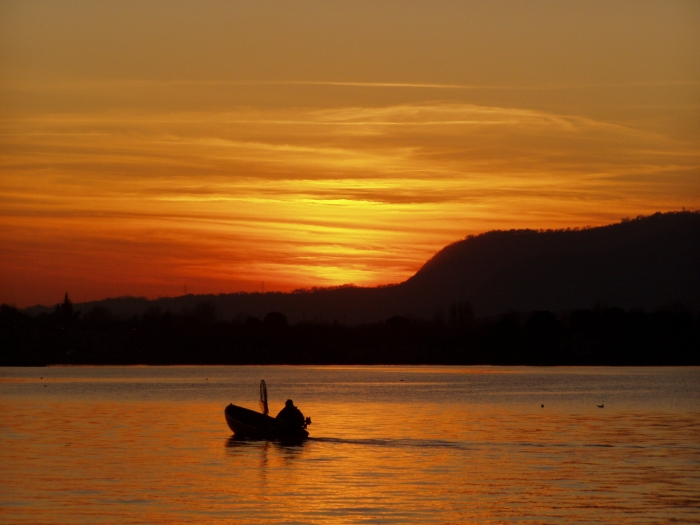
[(150, 146)]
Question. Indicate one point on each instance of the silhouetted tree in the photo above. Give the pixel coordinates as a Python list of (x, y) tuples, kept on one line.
[(65, 309)]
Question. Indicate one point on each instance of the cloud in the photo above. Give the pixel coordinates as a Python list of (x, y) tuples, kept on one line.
[(309, 196)]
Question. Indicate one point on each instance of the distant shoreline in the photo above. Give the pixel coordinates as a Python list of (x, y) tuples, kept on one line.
[(623, 294), (602, 336)]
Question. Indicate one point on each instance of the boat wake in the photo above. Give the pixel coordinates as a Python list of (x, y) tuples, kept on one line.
[(392, 443)]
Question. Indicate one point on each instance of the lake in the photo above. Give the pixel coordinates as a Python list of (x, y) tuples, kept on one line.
[(388, 445)]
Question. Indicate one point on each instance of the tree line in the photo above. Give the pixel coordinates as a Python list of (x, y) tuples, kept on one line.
[(597, 336)]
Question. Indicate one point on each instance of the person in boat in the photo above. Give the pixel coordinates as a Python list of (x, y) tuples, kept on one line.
[(291, 416)]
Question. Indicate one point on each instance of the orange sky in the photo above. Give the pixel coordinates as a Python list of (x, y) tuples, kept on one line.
[(149, 146)]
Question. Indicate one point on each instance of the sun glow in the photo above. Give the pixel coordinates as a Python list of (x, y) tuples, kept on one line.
[(278, 197), (134, 169)]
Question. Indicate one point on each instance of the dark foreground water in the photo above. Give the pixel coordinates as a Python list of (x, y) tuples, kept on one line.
[(389, 445)]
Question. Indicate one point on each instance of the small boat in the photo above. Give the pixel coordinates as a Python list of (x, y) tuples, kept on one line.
[(246, 423)]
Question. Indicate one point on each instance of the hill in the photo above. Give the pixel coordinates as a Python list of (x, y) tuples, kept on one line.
[(647, 262), (622, 294)]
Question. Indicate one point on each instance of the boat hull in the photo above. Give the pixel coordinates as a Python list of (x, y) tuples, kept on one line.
[(247, 423)]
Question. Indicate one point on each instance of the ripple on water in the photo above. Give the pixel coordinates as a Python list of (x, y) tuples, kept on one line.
[(120, 445)]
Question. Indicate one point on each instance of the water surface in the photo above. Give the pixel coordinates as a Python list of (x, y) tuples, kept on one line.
[(389, 445)]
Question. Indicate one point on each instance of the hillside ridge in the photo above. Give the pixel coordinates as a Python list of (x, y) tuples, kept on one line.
[(646, 262)]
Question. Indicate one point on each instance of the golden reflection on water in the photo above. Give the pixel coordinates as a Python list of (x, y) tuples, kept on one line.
[(80, 460)]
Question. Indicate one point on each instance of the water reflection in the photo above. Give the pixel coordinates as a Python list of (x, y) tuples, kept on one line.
[(392, 443), (454, 447), (235, 442)]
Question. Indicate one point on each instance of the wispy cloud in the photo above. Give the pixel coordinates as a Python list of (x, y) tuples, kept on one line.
[(83, 84), (309, 196)]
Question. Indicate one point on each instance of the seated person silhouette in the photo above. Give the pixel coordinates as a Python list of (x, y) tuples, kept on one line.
[(291, 416)]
